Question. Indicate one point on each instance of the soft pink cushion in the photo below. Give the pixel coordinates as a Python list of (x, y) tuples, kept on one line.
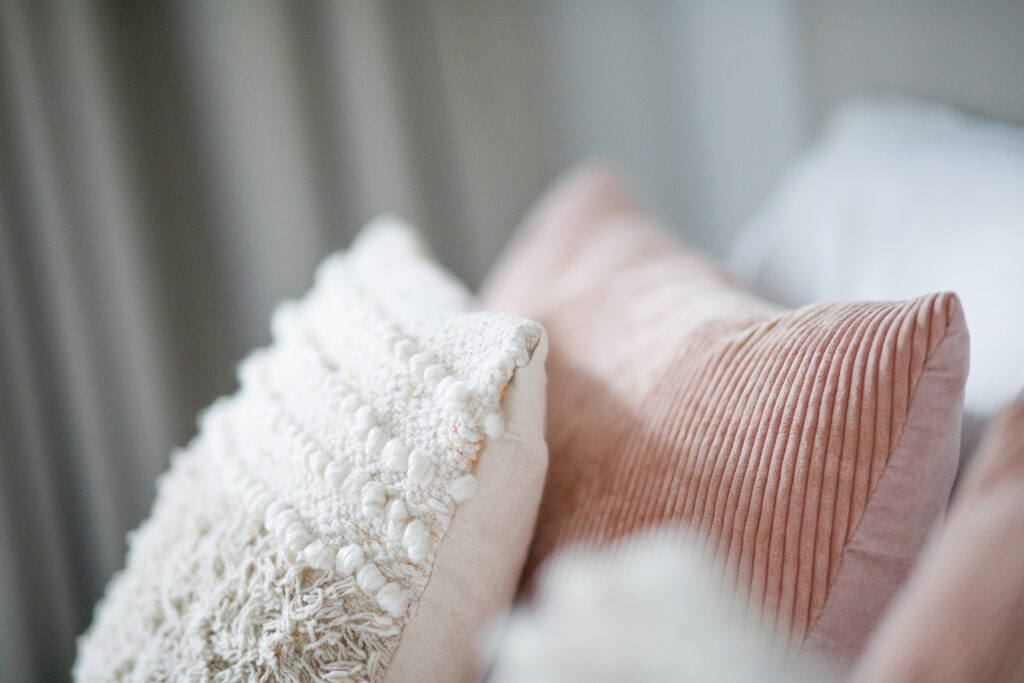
[(813, 448), (961, 617)]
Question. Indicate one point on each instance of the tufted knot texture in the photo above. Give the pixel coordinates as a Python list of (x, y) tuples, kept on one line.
[(295, 536)]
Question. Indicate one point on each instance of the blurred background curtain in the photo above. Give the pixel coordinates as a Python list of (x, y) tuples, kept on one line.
[(170, 170)]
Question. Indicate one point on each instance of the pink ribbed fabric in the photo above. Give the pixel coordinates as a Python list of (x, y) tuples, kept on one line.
[(961, 617), (675, 396)]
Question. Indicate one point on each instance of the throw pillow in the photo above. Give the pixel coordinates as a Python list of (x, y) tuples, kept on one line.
[(360, 508), (961, 617), (813, 449)]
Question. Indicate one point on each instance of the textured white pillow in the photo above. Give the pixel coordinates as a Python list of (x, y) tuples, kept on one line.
[(901, 198), (360, 508)]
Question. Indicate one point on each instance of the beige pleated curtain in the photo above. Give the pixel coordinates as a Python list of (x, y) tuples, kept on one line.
[(169, 171)]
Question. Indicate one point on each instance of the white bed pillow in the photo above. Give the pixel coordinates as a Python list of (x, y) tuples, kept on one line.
[(361, 507), (902, 197)]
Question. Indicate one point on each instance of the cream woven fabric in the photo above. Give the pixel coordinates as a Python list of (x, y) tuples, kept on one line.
[(296, 536)]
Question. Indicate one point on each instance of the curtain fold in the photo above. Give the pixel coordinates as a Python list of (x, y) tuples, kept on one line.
[(170, 170)]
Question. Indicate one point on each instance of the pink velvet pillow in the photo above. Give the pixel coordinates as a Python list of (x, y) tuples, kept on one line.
[(812, 448), (961, 617)]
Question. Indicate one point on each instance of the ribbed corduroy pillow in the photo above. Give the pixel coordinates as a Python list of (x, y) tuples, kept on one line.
[(812, 448), (360, 509), (961, 617)]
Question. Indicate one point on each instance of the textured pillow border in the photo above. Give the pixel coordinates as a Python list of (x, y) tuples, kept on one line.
[(894, 526), (444, 639)]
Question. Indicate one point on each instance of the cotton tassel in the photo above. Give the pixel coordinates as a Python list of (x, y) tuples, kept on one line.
[(349, 559), (374, 498), (417, 541), (318, 555), (369, 578), (393, 599), (463, 488), (493, 425), (421, 468)]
